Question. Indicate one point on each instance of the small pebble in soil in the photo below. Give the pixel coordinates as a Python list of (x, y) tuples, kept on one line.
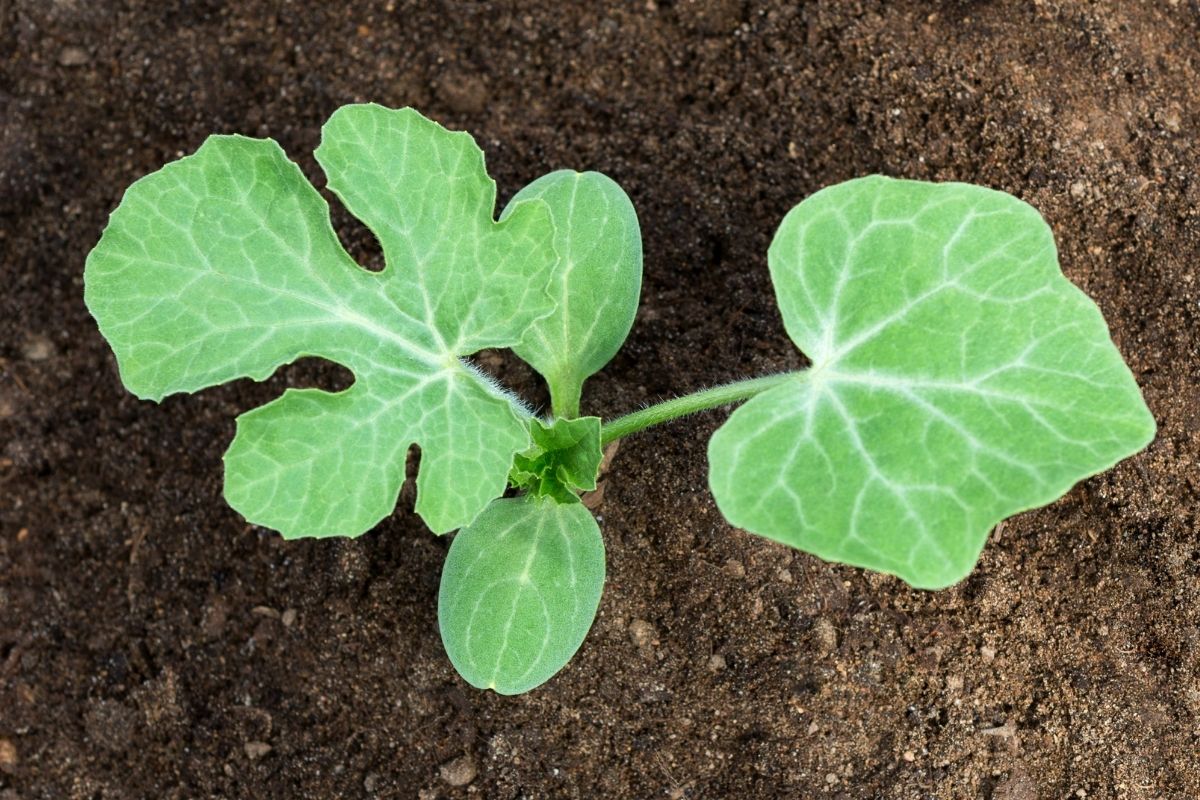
[(256, 750), (716, 662), (8, 756), (458, 772), (825, 636), (910, 756), (72, 56), (8, 403), (655, 694), (37, 348), (643, 635), (1005, 731), (289, 617)]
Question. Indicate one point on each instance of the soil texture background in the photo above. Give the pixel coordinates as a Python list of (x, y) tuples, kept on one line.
[(152, 645)]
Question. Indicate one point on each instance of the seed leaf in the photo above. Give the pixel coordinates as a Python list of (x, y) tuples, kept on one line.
[(224, 265), (957, 378), (596, 285), (519, 592)]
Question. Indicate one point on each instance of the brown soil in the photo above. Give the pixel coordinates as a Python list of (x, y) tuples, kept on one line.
[(154, 646)]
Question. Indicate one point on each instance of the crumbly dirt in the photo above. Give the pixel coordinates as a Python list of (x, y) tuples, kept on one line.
[(154, 645)]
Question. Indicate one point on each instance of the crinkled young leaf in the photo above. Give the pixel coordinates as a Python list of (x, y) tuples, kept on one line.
[(224, 265), (519, 592), (957, 378), (596, 285), (565, 458)]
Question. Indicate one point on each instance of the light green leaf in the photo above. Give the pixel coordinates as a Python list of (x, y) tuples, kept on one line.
[(957, 378), (565, 458), (597, 283), (519, 592), (224, 265)]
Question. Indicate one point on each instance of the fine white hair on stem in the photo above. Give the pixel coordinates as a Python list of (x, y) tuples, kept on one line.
[(497, 389)]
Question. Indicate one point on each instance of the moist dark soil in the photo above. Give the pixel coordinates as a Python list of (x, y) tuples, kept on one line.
[(153, 645)]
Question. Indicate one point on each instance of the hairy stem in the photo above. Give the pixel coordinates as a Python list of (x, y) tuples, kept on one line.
[(690, 404)]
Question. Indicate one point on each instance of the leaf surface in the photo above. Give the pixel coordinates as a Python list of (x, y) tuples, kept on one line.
[(596, 285), (519, 591), (224, 265), (958, 378)]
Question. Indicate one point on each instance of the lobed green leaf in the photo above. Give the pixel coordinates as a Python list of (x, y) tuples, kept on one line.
[(519, 591), (958, 378), (224, 265)]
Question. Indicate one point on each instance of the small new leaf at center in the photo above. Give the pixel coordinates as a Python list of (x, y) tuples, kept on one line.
[(564, 459)]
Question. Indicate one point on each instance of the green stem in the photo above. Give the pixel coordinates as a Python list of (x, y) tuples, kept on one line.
[(564, 398), (690, 404)]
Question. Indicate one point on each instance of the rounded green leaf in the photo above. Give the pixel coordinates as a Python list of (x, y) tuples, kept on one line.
[(519, 592), (224, 265), (596, 285), (958, 378)]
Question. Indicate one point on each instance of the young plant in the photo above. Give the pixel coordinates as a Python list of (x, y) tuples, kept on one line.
[(957, 377)]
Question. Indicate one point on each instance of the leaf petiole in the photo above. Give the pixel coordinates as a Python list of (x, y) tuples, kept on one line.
[(564, 396), (690, 404)]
